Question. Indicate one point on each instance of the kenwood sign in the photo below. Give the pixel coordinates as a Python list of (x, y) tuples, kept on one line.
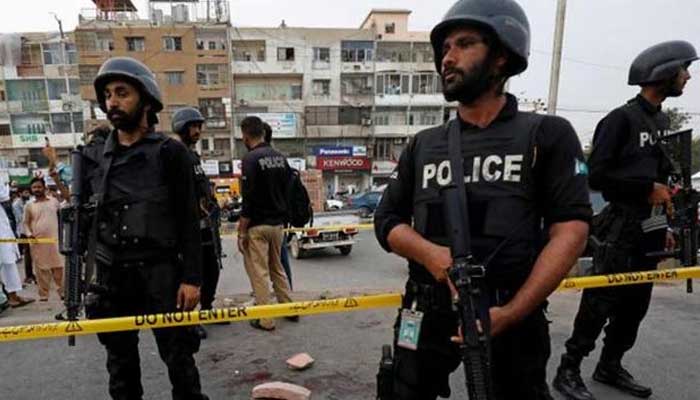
[(343, 163)]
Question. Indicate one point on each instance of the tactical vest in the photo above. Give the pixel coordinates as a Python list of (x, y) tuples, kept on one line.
[(137, 212), (205, 199), (498, 173), (641, 157)]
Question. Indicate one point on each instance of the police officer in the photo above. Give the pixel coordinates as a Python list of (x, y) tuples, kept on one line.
[(522, 171), (629, 168), (187, 123), (145, 239)]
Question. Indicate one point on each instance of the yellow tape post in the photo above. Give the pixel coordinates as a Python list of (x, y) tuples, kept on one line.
[(29, 241), (312, 307)]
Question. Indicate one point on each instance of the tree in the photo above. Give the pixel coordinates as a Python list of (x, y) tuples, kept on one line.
[(678, 118)]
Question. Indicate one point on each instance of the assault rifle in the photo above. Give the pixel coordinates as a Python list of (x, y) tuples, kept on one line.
[(684, 219), (469, 279), (70, 223)]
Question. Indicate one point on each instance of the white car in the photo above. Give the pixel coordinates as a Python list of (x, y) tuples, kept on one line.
[(332, 204)]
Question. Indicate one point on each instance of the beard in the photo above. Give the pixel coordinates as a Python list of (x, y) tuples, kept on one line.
[(127, 122), (465, 87)]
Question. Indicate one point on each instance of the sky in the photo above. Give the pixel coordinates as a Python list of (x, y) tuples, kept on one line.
[(601, 39)]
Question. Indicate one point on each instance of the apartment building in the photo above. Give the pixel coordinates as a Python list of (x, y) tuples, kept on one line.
[(185, 44), (345, 100), (39, 97)]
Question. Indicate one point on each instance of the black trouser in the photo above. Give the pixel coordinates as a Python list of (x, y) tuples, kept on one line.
[(210, 276), (28, 268), (623, 307), (145, 290), (519, 358)]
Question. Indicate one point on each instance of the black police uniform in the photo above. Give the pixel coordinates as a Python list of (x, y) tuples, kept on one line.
[(148, 243), (266, 175), (520, 172), (209, 227), (625, 162)]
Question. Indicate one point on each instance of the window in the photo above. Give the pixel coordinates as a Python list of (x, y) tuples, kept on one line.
[(104, 42), (212, 45), (61, 123), (423, 52), (281, 89), (394, 52), (78, 121), (211, 74), (322, 87), (353, 115), (425, 116), (172, 43), (390, 116), (53, 53), (4, 130), (214, 112), (248, 50), (296, 92), (382, 149), (74, 85), (390, 28), (321, 115), (322, 54), (356, 85), (357, 51), (205, 144), (56, 87), (135, 44), (71, 53), (222, 144), (426, 83), (175, 77), (285, 54), (392, 84)]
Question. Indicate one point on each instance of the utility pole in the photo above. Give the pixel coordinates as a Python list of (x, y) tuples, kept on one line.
[(556, 57), (64, 60)]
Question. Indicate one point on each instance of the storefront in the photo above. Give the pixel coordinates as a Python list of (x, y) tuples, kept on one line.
[(381, 172), (344, 174)]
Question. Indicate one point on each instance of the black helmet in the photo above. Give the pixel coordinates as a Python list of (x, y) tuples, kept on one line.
[(184, 116), (660, 62), (133, 71), (504, 18)]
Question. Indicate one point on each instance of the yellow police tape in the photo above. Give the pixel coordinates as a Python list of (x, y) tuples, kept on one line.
[(231, 314), (29, 241), (241, 313)]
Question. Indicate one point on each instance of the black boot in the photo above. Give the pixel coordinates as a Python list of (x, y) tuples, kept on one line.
[(612, 373), (568, 380)]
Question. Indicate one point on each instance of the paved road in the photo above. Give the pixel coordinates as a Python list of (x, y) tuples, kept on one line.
[(235, 357)]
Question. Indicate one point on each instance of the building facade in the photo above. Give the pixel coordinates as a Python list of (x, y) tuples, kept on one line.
[(39, 97), (347, 100)]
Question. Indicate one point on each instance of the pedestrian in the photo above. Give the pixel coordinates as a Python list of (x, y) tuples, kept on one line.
[(41, 221), (18, 207), (9, 256), (629, 168), (187, 123), (521, 184), (264, 213), (147, 244), (284, 255)]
